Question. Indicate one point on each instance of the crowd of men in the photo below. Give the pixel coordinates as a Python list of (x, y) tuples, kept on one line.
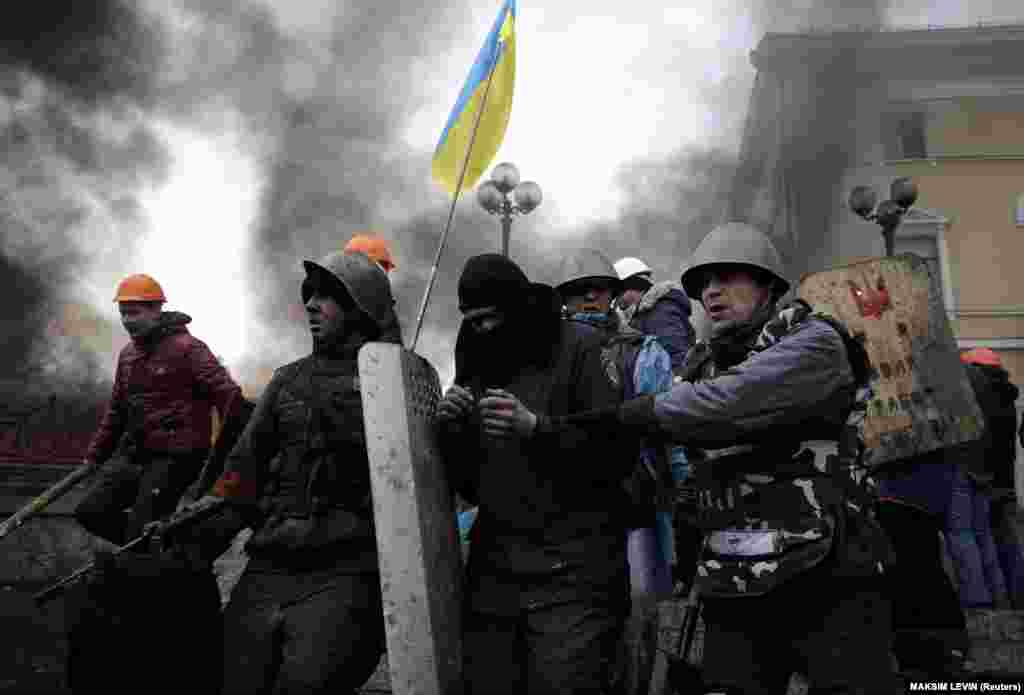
[(612, 459)]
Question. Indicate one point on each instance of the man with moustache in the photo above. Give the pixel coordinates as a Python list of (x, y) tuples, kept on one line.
[(547, 588), (790, 571), (306, 616), (156, 431)]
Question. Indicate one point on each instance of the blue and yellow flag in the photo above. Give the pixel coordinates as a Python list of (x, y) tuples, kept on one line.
[(492, 74)]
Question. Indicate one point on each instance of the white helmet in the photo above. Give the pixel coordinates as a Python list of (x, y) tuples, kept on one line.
[(628, 267)]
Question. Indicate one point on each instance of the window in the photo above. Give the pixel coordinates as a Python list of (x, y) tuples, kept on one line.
[(904, 135), (1019, 212)]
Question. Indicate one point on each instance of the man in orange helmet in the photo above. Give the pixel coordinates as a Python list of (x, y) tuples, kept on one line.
[(376, 248), (155, 433)]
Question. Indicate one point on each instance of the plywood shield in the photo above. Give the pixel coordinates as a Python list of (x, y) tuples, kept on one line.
[(415, 519), (922, 398)]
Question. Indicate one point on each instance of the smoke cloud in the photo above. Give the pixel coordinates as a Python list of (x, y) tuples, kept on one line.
[(73, 79), (321, 92)]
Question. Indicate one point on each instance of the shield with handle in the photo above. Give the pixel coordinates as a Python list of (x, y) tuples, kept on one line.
[(414, 512)]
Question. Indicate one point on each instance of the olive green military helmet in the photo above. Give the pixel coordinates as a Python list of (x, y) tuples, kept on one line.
[(588, 264), (734, 243), (364, 280)]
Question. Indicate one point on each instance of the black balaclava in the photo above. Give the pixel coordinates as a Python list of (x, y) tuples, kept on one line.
[(526, 336)]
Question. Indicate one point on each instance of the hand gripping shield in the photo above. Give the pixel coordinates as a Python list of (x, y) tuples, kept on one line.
[(414, 511), (921, 400)]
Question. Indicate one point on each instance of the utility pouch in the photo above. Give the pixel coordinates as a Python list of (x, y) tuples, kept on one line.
[(752, 562)]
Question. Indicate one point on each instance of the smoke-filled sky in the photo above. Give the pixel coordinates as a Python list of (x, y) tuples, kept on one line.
[(216, 143)]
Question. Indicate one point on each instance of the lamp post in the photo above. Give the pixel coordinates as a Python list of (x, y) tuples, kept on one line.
[(505, 196), (889, 213)]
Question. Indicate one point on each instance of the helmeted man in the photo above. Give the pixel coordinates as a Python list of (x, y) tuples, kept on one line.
[(547, 587), (997, 454), (150, 446), (636, 364), (790, 570), (661, 309), (156, 431), (306, 615), (989, 466)]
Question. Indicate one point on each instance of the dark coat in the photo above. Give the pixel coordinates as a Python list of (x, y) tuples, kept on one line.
[(553, 512), (993, 456), (164, 388), (664, 312), (302, 463)]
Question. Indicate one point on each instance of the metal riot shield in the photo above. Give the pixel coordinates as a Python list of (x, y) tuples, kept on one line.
[(414, 512), (922, 400)]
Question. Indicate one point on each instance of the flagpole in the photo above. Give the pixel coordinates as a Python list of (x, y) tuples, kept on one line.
[(451, 210)]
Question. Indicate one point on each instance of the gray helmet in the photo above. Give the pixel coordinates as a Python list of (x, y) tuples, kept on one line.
[(365, 281), (734, 243), (587, 264)]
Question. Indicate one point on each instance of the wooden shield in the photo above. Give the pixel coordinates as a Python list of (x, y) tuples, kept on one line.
[(414, 512), (922, 398)]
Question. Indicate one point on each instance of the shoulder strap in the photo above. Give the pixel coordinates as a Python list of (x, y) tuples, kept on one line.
[(855, 351)]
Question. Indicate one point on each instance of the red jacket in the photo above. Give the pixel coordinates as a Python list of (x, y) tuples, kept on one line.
[(168, 384)]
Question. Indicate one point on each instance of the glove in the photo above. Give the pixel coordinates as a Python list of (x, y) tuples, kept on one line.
[(638, 413)]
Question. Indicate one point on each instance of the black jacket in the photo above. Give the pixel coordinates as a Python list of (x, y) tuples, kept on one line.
[(553, 512), (301, 465), (992, 457)]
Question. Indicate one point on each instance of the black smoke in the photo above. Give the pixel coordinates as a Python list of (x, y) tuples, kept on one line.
[(69, 72), (670, 204)]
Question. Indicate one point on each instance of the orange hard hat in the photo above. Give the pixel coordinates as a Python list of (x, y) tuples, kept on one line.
[(981, 355), (377, 248), (139, 288)]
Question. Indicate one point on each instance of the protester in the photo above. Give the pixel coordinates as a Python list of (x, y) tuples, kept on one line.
[(637, 364), (547, 588), (306, 615), (990, 464), (791, 576), (156, 431), (661, 309)]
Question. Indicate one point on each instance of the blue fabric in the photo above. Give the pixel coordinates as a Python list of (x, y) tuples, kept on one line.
[(679, 463), (969, 536), (653, 370), (669, 321), (466, 519), (926, 484)]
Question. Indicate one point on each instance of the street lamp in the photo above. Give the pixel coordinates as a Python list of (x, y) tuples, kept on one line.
[(493, 197), (889, 213)]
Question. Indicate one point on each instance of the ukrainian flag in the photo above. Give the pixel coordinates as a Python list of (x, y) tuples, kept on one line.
[(493, 75)]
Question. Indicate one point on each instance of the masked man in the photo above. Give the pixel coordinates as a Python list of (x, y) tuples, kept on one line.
[(547, 582), (790, 569), (156, 430), (306, 615)]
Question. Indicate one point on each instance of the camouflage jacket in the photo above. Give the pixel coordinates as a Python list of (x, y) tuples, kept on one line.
[(773, 498)]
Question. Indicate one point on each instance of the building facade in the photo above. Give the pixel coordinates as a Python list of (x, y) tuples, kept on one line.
[(830, 111)]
